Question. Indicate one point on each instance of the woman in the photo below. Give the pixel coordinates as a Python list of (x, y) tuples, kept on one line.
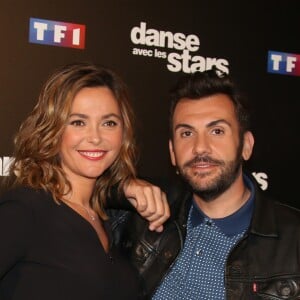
[(74, 146)]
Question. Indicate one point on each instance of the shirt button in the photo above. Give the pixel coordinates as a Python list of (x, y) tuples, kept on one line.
[(199, 252)]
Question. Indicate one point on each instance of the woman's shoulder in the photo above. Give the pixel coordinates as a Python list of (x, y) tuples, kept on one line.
[(23, 195)]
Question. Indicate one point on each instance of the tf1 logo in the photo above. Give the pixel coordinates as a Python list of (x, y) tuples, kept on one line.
[(284, 63), (56, 33)]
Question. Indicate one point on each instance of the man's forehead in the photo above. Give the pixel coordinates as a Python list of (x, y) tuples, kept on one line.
[(217, 105)]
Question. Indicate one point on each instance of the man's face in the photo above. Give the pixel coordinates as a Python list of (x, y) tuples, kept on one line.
[(206, 146)]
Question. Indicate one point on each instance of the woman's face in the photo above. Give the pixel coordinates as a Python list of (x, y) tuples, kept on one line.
[(92, 138)]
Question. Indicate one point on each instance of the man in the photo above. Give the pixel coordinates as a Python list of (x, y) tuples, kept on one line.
[(225, 239)]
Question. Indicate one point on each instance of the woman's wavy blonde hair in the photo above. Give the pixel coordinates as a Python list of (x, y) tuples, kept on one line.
[(37, 144)]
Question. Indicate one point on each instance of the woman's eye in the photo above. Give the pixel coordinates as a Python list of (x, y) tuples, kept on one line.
[(77, 123), (110, 123)]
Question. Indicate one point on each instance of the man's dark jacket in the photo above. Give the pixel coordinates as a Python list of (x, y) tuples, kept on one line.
[(265, 263)]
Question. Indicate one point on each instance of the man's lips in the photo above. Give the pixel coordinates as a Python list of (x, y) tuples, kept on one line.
[(203, 165)]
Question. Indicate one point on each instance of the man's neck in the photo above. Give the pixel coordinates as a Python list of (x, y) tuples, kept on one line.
[(227, 203)]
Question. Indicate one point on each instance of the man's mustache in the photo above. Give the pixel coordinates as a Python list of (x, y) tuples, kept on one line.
[(203, 159)]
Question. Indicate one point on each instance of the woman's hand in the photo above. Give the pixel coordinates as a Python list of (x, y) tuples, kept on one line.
[(149, 201)]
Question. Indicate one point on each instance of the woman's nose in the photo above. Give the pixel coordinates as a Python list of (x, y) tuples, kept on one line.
[(94, 135)]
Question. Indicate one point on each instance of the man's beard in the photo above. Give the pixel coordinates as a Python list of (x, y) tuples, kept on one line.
[(219, 184)]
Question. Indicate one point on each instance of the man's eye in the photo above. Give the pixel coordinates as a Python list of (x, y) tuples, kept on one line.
[(110, 123), (185, 133), (218, 131), (77, 123)]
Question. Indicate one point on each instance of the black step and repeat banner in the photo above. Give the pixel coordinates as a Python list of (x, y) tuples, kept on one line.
[(150, 44)]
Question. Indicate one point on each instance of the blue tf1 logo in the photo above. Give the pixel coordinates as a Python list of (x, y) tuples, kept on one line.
[(56, 33), (283, 63)]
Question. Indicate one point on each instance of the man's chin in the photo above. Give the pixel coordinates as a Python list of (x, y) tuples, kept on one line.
[(202, 179), (204, 184)]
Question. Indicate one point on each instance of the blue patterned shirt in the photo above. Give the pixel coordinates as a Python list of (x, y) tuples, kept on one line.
[(198, 272)]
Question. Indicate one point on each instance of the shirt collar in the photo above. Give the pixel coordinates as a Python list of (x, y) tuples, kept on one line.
[(234, 223)]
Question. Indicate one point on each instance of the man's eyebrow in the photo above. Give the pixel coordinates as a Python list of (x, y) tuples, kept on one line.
[(210, 124), (217, 122), (183, 125)]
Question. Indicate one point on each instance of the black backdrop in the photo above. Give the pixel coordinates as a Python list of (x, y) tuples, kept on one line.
[(238, 36)]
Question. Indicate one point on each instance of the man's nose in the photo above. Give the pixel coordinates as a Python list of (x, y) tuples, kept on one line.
[(201, 144)]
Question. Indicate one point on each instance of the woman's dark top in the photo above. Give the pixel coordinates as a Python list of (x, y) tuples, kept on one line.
[(49, 252)]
